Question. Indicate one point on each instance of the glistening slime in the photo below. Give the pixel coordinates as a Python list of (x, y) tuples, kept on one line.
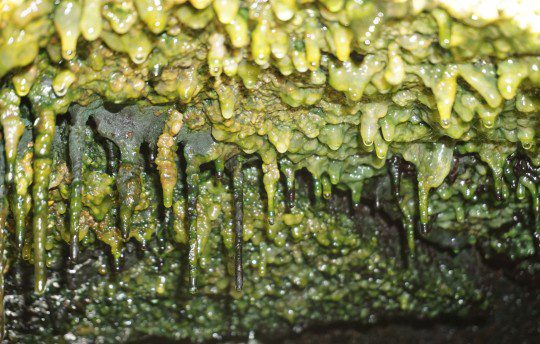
[(202, 169)]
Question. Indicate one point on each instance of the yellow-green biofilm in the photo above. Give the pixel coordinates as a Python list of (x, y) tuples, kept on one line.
[(253, 150)]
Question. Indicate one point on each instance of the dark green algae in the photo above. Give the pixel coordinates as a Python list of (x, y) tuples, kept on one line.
[(322, 261), (353, 275), (355, 272)]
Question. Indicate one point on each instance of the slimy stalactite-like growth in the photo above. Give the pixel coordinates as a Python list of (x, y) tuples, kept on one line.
[(317, 188), (62, 81), (395, 176), (129, 186), (326, 187), (179, 209), (3, 218), (444, 90), (353, 79), (45, 126), (289, 172), (407, 205), (192, 178), (21, 199), (128, 180), (24, 80), (128, 128), (369, 125), (433, 162), (226, 99), (165, 160), (356, 193), (153, 13), (531, 184), (526, 177), (484, 81), (444, 22), (136, 44), (13, 129), (512, 72), (238, 190), (66, 20), (219, 165), (111, 151), (495, 156), (270, 180), (79, 117), (91, 21), (395, 72), (332, 87), (226, 10), (20, 46)]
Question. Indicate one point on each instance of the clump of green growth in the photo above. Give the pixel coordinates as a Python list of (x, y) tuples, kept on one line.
[(116, 114)]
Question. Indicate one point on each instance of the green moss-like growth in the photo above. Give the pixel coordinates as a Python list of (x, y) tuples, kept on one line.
[(232, 140)]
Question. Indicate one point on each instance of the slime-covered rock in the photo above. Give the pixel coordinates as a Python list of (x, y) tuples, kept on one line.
[(238, 144)]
